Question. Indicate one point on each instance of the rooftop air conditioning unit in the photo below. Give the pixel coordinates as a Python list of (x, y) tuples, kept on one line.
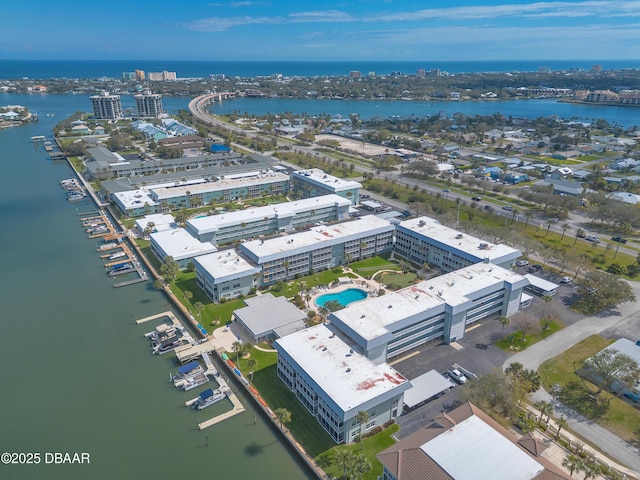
[(483, 246)]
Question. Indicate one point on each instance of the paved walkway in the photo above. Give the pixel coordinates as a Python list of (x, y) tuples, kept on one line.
[(533, 357)]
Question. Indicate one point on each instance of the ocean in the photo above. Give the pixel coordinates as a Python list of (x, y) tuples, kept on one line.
[(48, 69)]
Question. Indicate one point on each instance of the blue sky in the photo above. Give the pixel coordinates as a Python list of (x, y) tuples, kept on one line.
[(320, 30)]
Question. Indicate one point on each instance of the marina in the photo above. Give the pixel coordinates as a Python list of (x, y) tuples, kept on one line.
[(136, 425)]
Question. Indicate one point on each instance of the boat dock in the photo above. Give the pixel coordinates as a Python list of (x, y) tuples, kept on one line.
[(97, 224), (168, 314), (237, 406)]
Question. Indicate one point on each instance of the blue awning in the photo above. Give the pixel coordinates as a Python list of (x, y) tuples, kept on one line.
[(188, 367), (206, 394)]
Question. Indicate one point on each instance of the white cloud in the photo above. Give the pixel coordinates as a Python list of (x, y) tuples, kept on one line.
[(221, 24), (322, 16)]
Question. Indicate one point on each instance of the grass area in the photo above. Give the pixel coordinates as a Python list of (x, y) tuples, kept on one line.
[(370, 447), (292, 287), (616, 415), (77, 164), (395, 281), (515, 341), (370, 266), (303, 426)]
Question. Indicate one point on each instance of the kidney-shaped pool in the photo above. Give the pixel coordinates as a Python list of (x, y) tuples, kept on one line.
[(344, 297)]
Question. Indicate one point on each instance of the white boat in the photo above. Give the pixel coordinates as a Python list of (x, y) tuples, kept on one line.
[(194, 381), (117, 255), (106, 246), (208, 398)]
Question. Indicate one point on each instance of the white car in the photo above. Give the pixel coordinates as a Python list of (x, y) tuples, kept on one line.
[(522, 263), (566, 280), (458, 376)]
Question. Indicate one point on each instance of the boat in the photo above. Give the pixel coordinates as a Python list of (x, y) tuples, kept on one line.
[(194, 381), (166, 343), (106, 246), (117, 255), (208, 398), (38, 138), (187, 370)]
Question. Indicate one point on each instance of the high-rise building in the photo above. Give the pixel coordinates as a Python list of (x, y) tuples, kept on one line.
[(128, 75), (161, 76), (106, 107), (148, 105), (139, 74)]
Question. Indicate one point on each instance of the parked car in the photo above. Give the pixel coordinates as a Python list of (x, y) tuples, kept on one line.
[(488, 207), (535, 268), (619, 240), (552, 220), (566, 280), (446, 190), (457, 376), (507, 207), (592, 239), (522, 263), (476, 199)]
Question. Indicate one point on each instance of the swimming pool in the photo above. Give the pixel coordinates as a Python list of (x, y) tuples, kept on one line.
[(344, 298)]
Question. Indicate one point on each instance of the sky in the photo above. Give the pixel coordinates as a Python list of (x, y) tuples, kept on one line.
[(277, 30)]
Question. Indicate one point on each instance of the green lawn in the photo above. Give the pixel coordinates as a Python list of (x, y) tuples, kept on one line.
[(395, 281), (369, 266), (515, 343), (370, 447), (615, 414), (292, 287)]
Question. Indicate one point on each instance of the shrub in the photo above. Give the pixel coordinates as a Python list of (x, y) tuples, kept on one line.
[(388, 423)]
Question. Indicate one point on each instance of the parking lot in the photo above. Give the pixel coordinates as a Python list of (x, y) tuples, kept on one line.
[(475, 352)]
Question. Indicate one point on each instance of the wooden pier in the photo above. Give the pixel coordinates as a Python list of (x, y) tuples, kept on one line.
[(168, 314)]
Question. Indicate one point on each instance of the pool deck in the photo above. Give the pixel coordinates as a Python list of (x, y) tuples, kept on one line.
[(345, 283)]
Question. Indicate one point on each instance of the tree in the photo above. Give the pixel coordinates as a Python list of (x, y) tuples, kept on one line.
[(333, 305), (493, 393), (343, 458), (545, 408), (363, 418), (251, 364), (199, 306), (169, 269), (283, 415), (565, 227), (237, 347), (604, 291), (504, 321), (562, 423), (360, 466), (158, 284), (573, 463), (188, 295), (591, 469), (612, 370)]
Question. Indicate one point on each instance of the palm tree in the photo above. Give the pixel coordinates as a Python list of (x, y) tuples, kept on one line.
[(361, 465), (504, 321), (545, 408), (251, 364), (343, 458), (237, 347), (283, 415), (572, 463), (562, 423), (514, 369), (565, 227), (363, 418), (188, 295), (591, 470), (579, 234)]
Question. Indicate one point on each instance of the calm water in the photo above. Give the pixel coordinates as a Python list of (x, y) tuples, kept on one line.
[(344, 298), (78, 375)]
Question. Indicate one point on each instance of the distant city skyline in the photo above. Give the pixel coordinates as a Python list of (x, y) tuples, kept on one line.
[(323, 30)]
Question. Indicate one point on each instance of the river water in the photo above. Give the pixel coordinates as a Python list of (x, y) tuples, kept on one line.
[(78, 375), (77, 372)]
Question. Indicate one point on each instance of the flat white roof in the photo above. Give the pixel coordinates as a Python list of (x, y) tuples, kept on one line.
[(135, 199), (426, 386), (472, 450), (541, 282), (348, 378), (627, 347), (431, 228), (372, 317), (324, 234), (316, 175), (161, 221), (181, 190), (215, 222), (179, 244), (225, 265)]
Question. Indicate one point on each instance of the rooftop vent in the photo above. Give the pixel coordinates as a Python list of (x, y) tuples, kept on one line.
[(483, 246), (362, 316), (390, 306), (422, 223), (459, 236), (348, 370)]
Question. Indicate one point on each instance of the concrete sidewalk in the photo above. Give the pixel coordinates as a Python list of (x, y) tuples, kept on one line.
[(532, 358)]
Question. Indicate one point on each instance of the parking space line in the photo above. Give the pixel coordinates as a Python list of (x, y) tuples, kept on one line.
[(406, 357)]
